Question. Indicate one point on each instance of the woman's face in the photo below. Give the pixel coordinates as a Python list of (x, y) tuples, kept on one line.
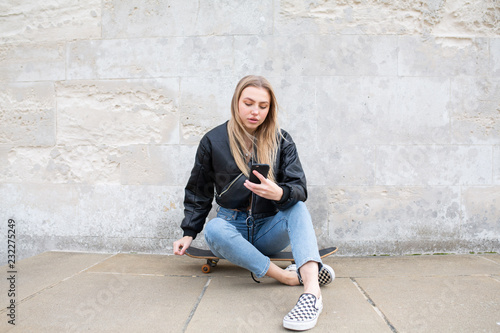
[(253, 107)]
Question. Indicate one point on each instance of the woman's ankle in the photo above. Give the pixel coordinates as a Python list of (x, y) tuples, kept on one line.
[(315, 291), (293, 278), (283, 276)]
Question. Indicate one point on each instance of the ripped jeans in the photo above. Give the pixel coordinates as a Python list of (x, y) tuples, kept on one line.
[(228, 237)]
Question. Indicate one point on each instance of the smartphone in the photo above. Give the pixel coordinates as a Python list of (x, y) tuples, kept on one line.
[(263, 169)]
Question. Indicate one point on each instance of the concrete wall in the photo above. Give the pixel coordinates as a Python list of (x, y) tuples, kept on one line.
[(394, 105)]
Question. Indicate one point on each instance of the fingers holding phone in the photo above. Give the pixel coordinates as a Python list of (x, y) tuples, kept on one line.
[(262, 169), (260, 185)]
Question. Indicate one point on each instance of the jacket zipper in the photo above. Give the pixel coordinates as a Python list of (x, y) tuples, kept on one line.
[(229, 186), (252, 226), (250, 221)]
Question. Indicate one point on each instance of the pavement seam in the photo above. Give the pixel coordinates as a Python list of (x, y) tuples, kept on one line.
[(198, 301), (86, 269), (374, 306), (493, 261)]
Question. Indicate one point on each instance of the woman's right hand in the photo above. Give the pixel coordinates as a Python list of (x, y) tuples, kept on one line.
[(182, 245)]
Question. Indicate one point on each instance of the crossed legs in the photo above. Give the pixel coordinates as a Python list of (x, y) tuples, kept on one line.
[(227, 236)]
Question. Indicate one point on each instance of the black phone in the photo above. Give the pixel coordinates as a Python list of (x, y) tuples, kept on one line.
[(263, 169)]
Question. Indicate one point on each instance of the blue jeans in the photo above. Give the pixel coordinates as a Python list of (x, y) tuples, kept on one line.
[(228, 237)]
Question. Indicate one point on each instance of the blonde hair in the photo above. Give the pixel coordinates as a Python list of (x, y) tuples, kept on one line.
[(265, 138)]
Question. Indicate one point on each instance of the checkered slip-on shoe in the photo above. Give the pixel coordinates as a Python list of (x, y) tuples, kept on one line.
[(326, 274), (304, 314)]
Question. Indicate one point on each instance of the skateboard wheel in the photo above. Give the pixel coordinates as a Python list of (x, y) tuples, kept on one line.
[(205, 268)]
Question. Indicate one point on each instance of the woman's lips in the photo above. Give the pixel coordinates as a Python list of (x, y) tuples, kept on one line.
[(253, 120)]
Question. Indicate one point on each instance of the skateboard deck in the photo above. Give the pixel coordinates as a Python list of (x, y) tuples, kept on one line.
[(212, 260)]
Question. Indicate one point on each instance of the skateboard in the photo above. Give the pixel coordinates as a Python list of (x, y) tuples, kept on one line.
[(212, 260)]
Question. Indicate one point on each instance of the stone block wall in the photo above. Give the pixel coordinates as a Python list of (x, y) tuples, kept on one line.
[(395, 106)]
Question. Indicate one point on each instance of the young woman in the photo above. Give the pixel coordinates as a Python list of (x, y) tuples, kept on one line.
[(256, 220)]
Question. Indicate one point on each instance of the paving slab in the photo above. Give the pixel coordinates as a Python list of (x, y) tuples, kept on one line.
[(240, 305), (42, 271), (108, 302), (437, 304)]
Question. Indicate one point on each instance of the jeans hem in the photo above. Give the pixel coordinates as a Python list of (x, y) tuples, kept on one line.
[(306, 260), (268, 264)]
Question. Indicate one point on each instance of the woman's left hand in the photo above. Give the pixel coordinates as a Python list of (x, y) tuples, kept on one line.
[(266, 189)]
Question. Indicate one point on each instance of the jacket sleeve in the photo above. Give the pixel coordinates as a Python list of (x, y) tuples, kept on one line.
[(290, 175), (199, 191)]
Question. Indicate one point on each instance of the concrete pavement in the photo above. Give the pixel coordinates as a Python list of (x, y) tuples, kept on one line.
[(89, 292)]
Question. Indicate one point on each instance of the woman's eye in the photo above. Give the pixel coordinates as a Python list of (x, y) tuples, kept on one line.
[(247, 104), (263, 107)]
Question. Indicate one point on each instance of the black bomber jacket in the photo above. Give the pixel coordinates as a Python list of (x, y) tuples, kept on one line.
[(215, 173)]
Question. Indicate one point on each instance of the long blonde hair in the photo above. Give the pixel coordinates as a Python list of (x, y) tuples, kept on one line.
[(265, 138)]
